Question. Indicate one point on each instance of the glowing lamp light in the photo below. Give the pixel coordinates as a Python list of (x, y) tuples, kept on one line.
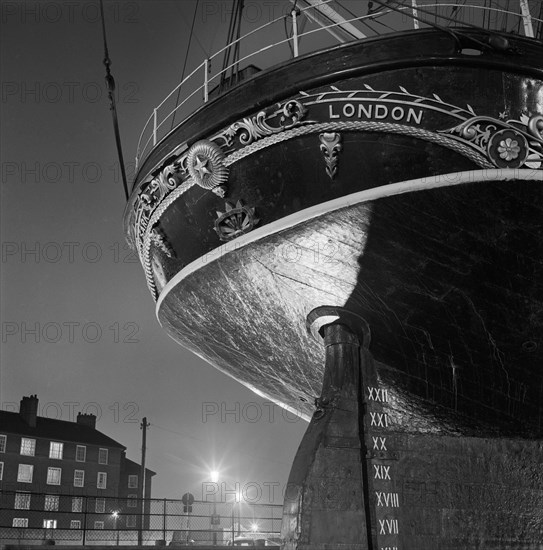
[(254, 527), (214, 476)]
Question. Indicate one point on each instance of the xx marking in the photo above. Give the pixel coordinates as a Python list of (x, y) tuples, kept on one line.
[(379, 443)]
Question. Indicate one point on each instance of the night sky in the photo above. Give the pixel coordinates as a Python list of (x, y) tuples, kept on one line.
[(78, 323), (66, 270)]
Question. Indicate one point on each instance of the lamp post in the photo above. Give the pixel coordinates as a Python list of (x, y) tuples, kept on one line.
[(214, 474), (115, 516)]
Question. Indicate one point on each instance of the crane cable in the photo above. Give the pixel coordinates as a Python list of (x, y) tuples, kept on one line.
[(110, 82)]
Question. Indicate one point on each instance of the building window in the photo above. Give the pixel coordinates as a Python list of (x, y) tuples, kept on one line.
[(132, 482), (1, 470), (101, 481), (55, 450), (22, 501), (49, 523), (75, 524), (80, 453), (102, 456), (51, 503), (79, 478), (100, 505), (24, 475), (131, 521), (3, 441), (20, 522), (28, 446), (53, 476), (132, 502), (98, 524), (77, 504)]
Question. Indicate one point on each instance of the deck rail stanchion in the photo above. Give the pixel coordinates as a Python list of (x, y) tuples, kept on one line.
[(206, 80), (154, 126), (294, 14)]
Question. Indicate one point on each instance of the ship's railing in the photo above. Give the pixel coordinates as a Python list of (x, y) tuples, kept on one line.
[(195, 87)]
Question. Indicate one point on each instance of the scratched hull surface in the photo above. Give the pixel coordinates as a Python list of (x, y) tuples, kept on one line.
[(406, 188), (454, 307)]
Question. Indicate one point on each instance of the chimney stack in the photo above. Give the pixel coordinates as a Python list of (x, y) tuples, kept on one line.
[(88, 420), (28, 410)]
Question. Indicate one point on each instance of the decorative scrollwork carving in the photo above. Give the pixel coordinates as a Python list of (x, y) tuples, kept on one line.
[(507, 144), (330, 147), (235, 221), (205, 164), (252, 128)]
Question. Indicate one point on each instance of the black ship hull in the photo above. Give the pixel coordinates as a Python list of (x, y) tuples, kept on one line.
[(405, 188)]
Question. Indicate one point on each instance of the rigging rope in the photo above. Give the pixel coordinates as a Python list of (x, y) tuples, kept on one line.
[(185, 62), (110, 82)]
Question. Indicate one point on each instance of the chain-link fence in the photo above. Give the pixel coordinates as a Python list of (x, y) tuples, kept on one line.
[(30, 518)]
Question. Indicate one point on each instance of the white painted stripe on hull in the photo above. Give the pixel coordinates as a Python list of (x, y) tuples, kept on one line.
[(368, 195)]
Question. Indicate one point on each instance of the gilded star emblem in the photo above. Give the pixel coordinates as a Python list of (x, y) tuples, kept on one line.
[(200, 166), (503, 115)]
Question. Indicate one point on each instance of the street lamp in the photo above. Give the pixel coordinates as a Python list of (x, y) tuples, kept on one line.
[(214, 475), (115, 516)]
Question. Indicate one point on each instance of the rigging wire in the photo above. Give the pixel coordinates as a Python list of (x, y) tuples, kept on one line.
[(484, 45), (110, 82), (353, 15), (185, 62)]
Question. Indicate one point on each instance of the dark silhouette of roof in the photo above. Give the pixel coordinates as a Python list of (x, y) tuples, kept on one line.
[(59, 430), (135, 465)]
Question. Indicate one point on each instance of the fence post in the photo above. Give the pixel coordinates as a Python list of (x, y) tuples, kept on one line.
[(206, 80), (294, 13), (85, 521), (164, 521)]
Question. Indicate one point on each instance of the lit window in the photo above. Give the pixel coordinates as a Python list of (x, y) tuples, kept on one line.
[(22, 501), (77, 504), (132, 482), (49, 523), (100, 505), (79, 478), (80, 453), (1, 470), (28, 446), (55, 449), (51, 503), (3, 440), (98, 524), (53, 476), (24, 475), (132, 502), (101, 481), (20, 522), (102, 456), (75, 524), (131, 521)]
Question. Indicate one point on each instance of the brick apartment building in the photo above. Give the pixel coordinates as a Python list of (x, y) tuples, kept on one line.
[(56, 474)]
